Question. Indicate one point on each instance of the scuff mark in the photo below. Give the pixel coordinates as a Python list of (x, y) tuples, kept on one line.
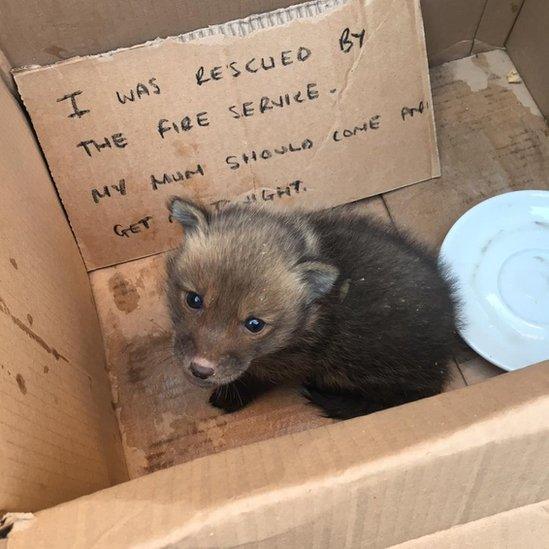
[(211, 427), (513, 77), (30, 333), (125, 294), (57, 51), (21, 383)]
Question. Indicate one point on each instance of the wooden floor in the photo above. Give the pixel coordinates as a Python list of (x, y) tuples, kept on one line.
[(492, 140)]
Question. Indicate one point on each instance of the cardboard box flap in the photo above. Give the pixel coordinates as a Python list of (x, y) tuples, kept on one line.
[(311, 106), (526, 526), (59, 436), (374, 481)]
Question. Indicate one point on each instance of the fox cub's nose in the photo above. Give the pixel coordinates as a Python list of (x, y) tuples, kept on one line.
[(202, 372)]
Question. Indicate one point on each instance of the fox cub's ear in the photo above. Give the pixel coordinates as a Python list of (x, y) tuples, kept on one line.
[(318, 277), (192, 216)]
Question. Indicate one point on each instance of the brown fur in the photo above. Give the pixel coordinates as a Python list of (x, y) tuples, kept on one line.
[(329, 286), (240, 273)]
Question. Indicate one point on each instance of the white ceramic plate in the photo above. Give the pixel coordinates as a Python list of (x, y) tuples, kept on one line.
[(499, 253)]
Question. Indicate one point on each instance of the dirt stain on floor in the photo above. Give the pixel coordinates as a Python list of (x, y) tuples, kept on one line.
[(125, 294)]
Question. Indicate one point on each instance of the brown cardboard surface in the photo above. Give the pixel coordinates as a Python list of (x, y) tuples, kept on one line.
[(528, 46), (492, 140), (376, 82), (526, 526), (374, 481), (450, 28), (496, 23), (59, 437)]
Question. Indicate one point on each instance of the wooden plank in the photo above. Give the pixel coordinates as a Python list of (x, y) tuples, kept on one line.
[(478, 369), (458, 380)]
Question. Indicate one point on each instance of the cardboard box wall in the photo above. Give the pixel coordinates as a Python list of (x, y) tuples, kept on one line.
[(44, 31), (528, 47), (178, 504)]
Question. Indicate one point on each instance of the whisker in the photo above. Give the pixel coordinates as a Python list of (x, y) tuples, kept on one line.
[(166, 359), (173, 354), (238, 395)]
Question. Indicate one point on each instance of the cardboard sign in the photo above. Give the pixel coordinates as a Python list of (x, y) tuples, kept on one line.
[(312, 106)]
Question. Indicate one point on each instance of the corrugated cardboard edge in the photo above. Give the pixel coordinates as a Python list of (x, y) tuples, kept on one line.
[(526, 527), (379, 480), (239, 28), (14, 521)]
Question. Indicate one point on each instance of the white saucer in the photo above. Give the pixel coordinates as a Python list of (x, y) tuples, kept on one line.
[(499, 253)]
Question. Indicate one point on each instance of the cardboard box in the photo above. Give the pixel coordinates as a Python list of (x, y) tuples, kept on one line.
[(465, 468)]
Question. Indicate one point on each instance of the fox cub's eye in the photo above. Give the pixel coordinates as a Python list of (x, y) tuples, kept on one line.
[(194, 301), (254, 325)]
